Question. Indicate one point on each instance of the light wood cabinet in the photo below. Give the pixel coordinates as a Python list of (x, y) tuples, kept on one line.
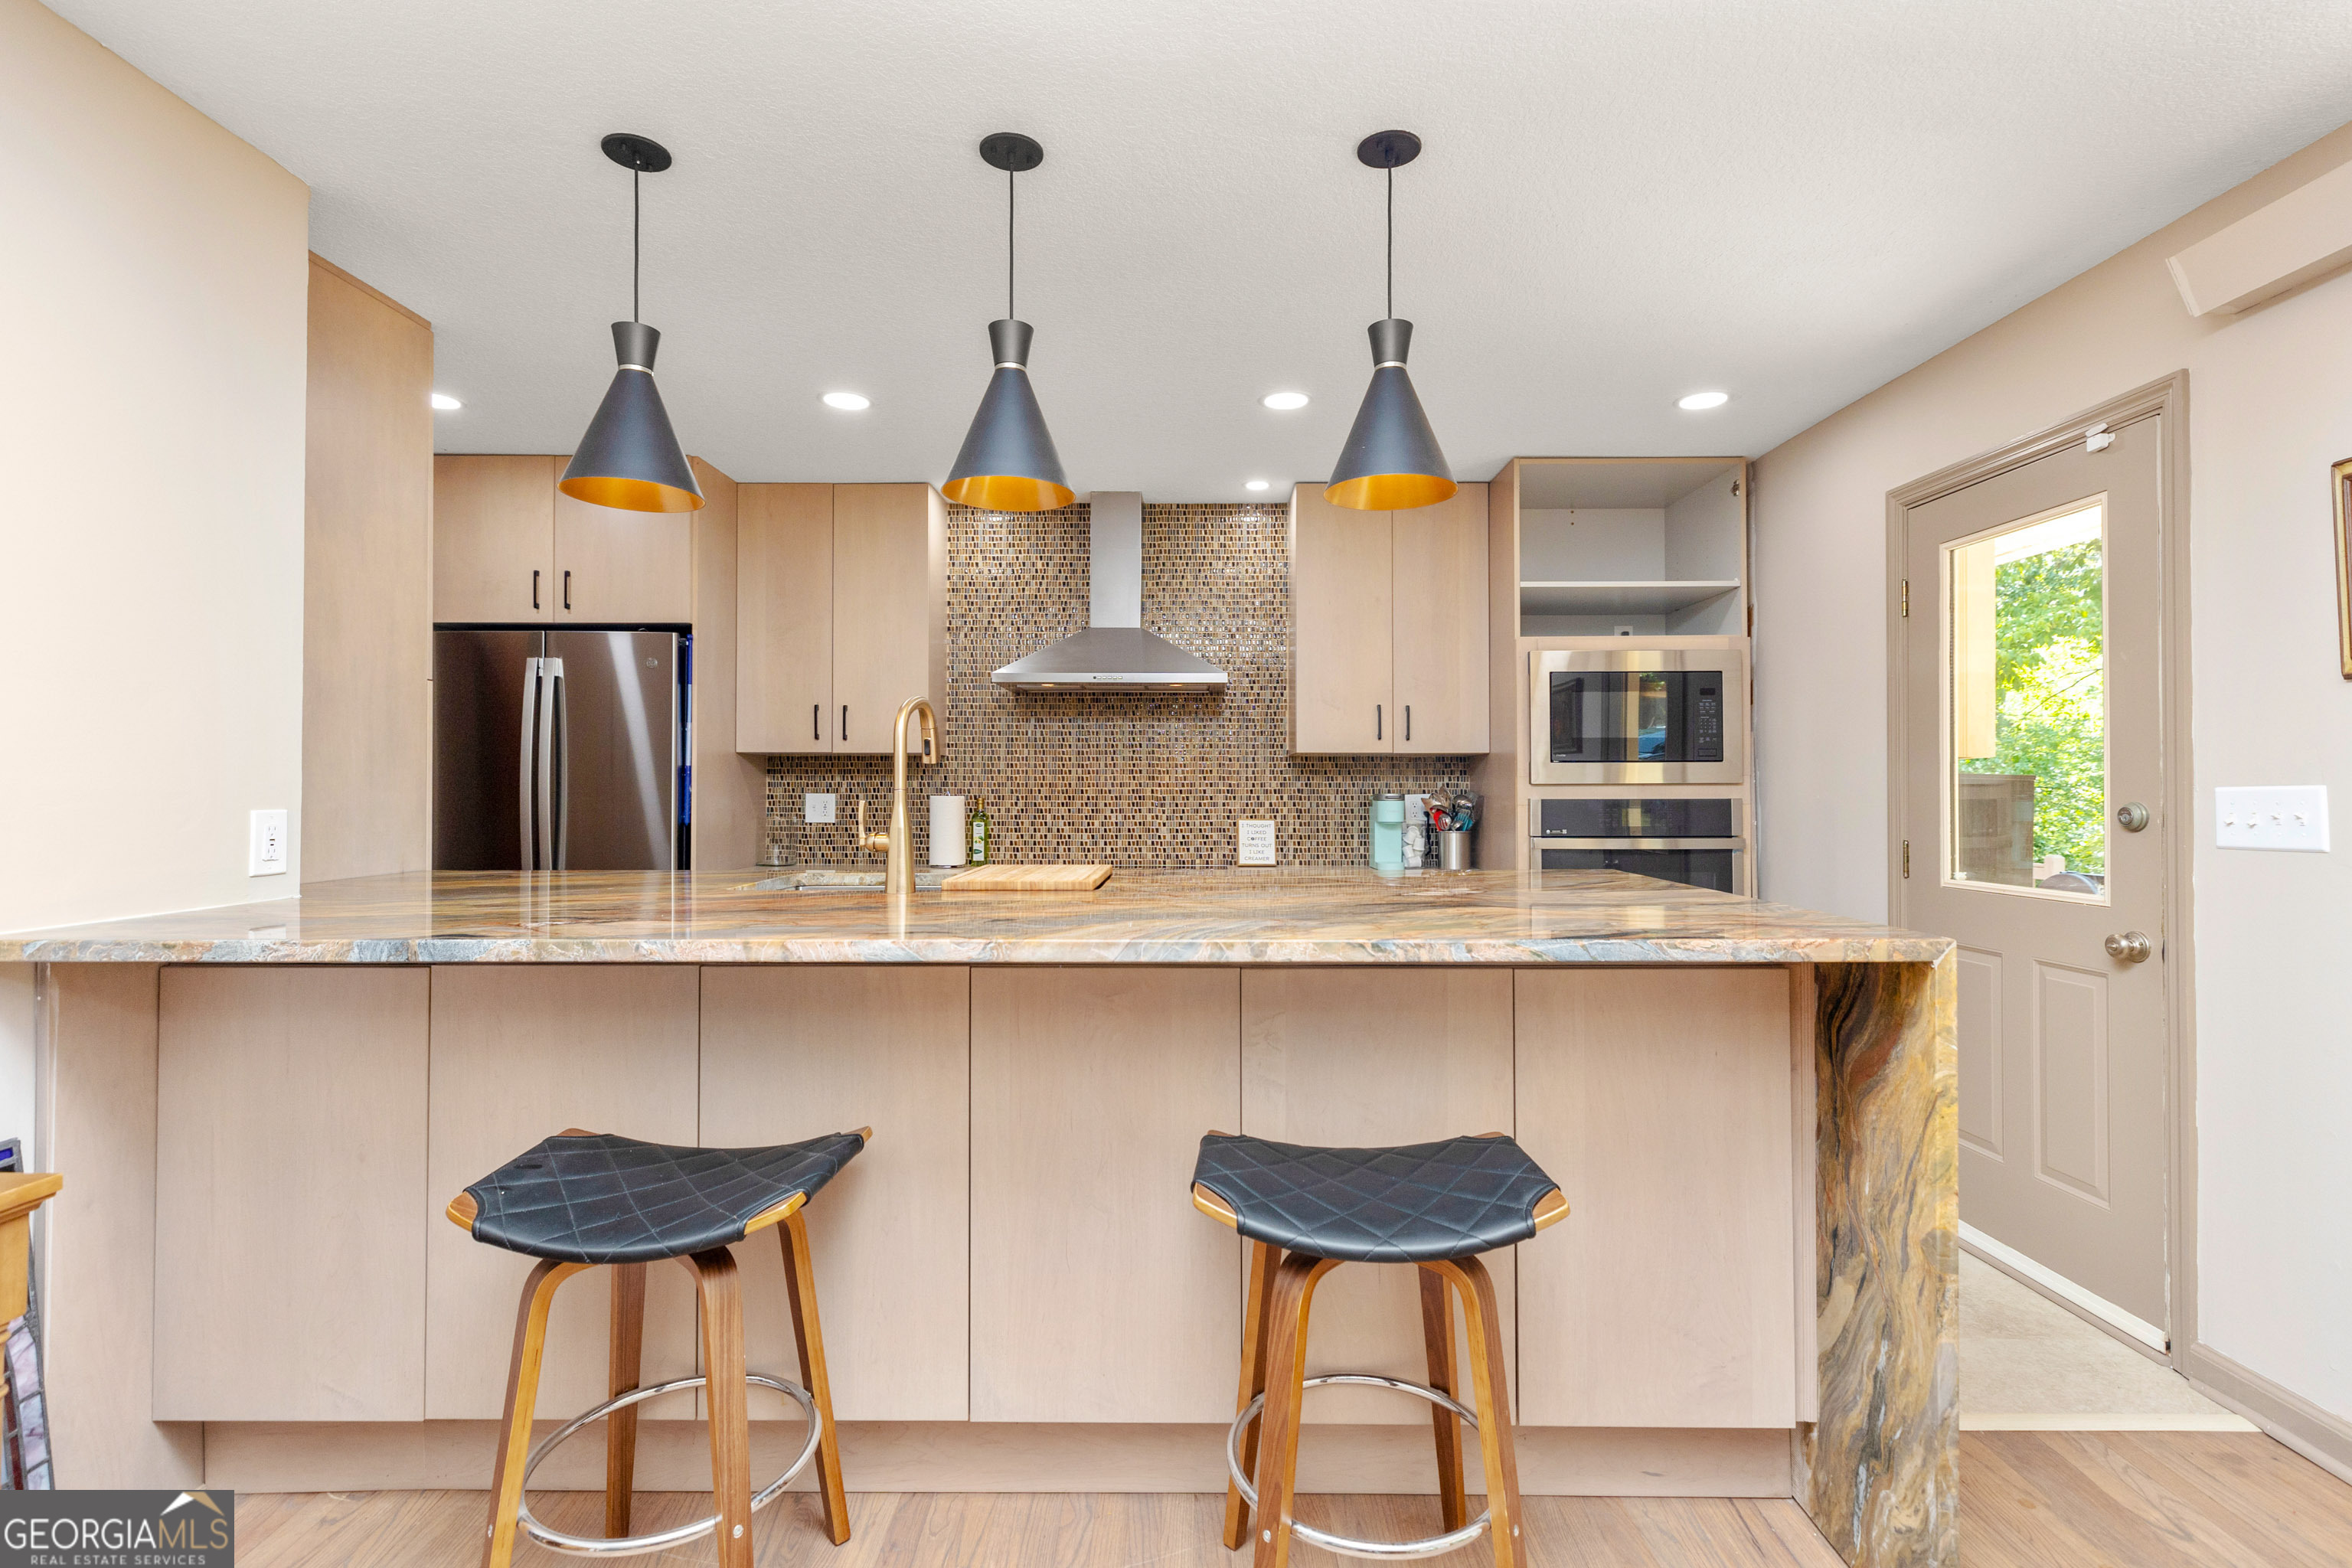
[(792, 1051), (623, 566), (494, 538), (1387, 627), (784, 595), (289, 1161), (519, 1052), (1364, 1059), (843, 613), (510, 548), (1662, 1103), (1098, 1293)]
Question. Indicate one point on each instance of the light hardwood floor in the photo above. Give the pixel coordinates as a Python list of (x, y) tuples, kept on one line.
[(2028, 1500)]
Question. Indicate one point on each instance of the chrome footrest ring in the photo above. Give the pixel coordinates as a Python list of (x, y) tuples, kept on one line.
[(1347, 1546), (630, 1546)]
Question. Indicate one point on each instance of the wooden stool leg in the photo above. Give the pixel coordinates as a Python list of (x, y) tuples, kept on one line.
[(1265, 1259), (1477, 1287), (800, 1275), (1437, 1330), (522, 1395), (1286, 1370), (721, 1290), (628, 1345)]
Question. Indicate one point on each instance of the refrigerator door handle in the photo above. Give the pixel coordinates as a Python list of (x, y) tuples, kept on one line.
[(554, 776), (524, 816)]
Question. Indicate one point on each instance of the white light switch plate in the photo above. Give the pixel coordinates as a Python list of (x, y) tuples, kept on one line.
[(2275, 817), (816, 807), (1255, 846), (266, 845)]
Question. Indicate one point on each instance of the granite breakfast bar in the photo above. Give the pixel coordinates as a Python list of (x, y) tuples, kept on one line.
[(1750, 1108)]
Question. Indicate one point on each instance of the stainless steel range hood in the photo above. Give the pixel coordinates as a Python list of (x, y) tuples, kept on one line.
[(1114, 653)]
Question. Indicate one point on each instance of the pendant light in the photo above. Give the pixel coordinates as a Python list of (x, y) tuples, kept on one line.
[(630, 458), (1392, 462), (1008, 462)]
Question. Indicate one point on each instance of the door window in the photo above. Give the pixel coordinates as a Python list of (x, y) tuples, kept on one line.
[(2025, 696)]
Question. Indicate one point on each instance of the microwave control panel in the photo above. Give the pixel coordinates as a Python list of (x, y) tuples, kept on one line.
[(1705, 689)]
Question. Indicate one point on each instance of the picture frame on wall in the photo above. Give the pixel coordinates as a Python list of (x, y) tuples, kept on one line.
[(2342, 475)]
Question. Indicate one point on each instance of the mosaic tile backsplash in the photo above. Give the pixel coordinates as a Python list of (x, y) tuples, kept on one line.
[(1155, 779)]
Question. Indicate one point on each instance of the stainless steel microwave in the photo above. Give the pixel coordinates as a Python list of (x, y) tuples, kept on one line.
[(1637, 715)]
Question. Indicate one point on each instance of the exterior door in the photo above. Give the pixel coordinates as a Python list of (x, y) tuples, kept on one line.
[(2031, 728)]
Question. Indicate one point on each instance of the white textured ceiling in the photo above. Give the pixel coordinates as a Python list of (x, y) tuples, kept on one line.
[(1622, 201)]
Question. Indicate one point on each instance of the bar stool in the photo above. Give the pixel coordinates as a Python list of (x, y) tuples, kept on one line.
[(1308, 1210), (583, 1199)]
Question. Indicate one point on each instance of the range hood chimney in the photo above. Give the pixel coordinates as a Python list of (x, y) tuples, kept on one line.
[(1114, 653)]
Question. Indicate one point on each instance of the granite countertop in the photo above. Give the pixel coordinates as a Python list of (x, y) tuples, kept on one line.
[(1343, 915)]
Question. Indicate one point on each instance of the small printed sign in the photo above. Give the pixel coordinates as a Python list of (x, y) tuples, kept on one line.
[(1256, 844), (100, 1529)]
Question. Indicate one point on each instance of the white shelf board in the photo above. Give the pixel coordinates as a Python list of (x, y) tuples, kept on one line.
[(1617, 599)]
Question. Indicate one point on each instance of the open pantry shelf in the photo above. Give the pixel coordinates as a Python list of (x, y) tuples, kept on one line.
[(1618, 598)]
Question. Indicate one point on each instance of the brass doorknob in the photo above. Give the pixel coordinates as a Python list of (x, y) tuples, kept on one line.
[(2131, 946)]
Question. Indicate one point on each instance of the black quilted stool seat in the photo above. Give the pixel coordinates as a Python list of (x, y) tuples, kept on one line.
[(596, 1198), (1409, 1205), (1308, 1210), (583, 1200)]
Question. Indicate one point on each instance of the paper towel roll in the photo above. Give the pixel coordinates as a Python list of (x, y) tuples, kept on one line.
[(949, 844)]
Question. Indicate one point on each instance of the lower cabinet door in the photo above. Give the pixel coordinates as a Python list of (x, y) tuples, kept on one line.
[(1661, 1101), (1363, 1057), (521, 1052), (290, 1257), (794, 1050), (1099, 1293)]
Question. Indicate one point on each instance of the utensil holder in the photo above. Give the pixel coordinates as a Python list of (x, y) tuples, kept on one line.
[(1453, 849)]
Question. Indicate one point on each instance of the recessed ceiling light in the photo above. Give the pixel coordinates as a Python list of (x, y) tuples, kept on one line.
[(1258, 485), (1698, 400), (445, 402), (849, 401), (1285, 400)]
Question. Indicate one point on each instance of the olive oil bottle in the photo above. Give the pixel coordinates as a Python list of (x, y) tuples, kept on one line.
[(978, 831)]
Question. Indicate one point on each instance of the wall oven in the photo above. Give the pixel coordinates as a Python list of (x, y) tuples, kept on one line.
[(1637, 715), (1701, 842)]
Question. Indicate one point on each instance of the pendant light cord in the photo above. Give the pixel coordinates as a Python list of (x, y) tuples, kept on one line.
[(636, 259), (1008, 243), (1392, 241)]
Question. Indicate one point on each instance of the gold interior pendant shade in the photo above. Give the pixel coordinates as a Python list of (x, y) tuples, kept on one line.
[(1008, 492), (632, 495), (1391, 492)]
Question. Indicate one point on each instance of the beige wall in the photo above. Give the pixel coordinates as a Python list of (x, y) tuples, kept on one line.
[(151, 542), (2270, 408)]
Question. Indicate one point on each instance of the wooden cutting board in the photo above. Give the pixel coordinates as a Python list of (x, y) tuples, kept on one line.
[(1026, 879)]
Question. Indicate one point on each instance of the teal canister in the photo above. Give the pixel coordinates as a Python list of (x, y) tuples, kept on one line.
[(1387, 833)]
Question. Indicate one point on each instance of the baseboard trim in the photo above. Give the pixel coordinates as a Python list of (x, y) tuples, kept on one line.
[(991, 1456), (2192, 1421), (2323, 1438), (2093, 1308)]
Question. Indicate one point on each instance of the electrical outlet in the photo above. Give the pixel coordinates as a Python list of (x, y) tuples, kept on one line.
[(817, 807), (266, 845), (2278, 817)]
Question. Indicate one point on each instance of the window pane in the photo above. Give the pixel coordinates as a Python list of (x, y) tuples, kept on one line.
[(2025, 612)]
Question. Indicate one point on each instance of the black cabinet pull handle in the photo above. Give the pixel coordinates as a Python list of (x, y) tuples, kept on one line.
[(534, 587), (1408, 722), (816, 721), (845, 722), (1376, 721), (567, 587)]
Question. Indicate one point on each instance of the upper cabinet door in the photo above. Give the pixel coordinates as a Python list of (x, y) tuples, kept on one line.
[(1342, 700), (623, 566), (783, 600), (494, 539), (889, 609), (1440, 569)]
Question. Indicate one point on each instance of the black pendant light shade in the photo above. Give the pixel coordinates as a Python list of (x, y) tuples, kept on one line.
[(1008, 462), (1391, 461), (630, 458)]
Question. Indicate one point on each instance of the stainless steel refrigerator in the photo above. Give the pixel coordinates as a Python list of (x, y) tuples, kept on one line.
[(561, 750)]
